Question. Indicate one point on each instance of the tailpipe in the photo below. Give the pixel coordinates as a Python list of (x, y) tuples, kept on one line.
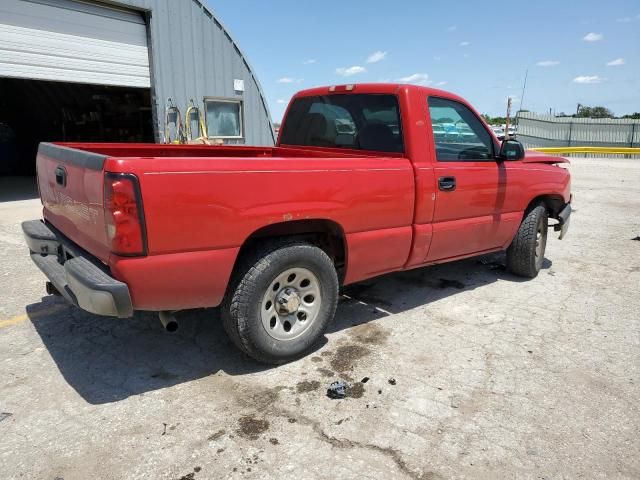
[(169, 321)]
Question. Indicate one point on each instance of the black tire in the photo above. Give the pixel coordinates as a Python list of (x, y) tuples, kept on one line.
[(526, 252), (241, 309)]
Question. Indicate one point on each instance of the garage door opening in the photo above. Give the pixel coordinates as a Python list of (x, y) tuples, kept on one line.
[(34, 111)]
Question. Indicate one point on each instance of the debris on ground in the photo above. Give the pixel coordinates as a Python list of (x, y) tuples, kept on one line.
[(364, 380), (5, 415), (636, 238), (337, 390), (392, 381)]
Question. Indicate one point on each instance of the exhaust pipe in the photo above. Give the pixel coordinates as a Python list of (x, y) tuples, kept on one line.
[(169, 321)]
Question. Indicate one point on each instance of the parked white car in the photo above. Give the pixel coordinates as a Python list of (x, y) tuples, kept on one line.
[(499, 132)]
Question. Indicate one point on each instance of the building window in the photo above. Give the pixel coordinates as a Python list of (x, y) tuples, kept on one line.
[(224, 118)]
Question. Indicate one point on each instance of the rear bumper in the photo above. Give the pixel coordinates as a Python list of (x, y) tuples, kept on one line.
[(78, 277)]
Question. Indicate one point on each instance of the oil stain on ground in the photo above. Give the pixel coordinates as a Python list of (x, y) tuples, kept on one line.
[(325, 372), (251, 427), (356, 390), (307, 386), (369, 334), (345, 356)]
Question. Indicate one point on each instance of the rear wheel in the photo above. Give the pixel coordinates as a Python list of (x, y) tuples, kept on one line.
[(526, 252), (281, 301)]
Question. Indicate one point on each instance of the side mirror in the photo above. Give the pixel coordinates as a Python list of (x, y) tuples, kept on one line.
[(511, 150)]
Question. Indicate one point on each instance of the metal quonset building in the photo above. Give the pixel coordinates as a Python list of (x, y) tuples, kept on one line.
[(84, 70)]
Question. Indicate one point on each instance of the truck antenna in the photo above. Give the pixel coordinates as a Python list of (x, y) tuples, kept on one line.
[(526, 74)]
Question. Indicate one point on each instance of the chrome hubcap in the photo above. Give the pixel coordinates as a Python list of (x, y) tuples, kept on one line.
[(291, 304)]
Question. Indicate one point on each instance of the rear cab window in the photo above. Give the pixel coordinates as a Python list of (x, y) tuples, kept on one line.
[(350, 121)]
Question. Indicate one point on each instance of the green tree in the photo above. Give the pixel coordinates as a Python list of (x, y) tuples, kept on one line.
[(594, 112)]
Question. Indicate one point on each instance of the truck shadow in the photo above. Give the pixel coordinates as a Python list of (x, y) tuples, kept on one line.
[(106, 360)]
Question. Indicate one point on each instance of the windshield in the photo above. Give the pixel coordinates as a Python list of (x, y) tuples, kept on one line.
[(353, 121)]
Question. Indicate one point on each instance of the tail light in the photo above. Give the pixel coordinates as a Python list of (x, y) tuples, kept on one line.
[(123, 214)]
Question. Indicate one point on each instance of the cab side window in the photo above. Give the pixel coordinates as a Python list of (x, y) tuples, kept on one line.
[(458, 133)]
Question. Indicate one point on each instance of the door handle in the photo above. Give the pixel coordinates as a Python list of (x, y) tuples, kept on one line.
[(447, 184), (61, 176)]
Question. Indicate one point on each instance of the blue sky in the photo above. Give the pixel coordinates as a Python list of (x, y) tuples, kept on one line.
[(576, 51)]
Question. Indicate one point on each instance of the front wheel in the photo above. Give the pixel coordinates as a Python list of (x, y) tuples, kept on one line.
[(281, 302), (526, 252)]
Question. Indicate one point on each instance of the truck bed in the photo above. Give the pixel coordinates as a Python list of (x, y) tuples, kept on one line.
[(201, 203), (146, 150)]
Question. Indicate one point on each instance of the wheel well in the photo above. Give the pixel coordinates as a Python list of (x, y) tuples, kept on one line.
[(553, 204), (325, 234)]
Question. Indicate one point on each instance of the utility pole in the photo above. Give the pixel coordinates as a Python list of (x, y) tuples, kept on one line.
[(578, 109), (506, 126)]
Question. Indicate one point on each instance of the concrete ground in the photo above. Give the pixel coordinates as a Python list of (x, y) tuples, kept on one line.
[(495, 377)]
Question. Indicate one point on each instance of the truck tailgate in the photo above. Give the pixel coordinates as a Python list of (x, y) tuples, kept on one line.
[(71, 189)]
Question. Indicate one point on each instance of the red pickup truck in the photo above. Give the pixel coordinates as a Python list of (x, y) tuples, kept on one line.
[(359, 184)]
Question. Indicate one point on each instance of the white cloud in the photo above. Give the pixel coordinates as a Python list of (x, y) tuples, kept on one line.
[(437, 59), (376, 57), (593, 37), (441, 84), (548, 63), (465, 44), (452, 28), (628, 19), (587, 79), (615, 63), (309, 62), (286, 80), (280, 100), (417, 79), (348, 71)]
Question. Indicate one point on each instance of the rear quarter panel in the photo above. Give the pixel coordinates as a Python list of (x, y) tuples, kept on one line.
[(195, 206)]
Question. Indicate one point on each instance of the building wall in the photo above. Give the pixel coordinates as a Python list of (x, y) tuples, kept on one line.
[(193, 56)]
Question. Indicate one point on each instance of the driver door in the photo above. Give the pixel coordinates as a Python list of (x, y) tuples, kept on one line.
[(470, 185)]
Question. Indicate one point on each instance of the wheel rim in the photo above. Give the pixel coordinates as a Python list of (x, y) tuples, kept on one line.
[(291, 304), (541, 242)]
